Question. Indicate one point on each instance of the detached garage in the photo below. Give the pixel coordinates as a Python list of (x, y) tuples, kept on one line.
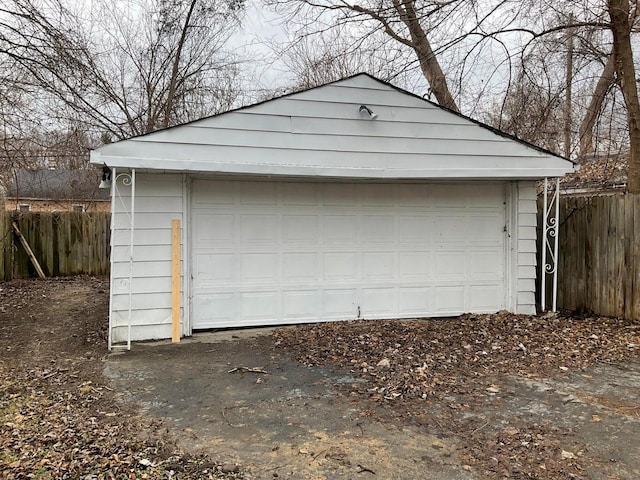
[(351, 200)]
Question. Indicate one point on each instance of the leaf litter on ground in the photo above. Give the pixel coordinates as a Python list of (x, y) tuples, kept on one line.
[(435, 371)]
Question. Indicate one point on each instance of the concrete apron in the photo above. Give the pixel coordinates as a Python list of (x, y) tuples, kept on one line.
[(288, 423), (293, 422)]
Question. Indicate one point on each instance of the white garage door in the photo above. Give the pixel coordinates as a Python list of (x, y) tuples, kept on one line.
[(287, 252)]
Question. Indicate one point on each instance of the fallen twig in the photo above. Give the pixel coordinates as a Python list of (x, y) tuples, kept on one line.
[(365, 469), (247, 369)]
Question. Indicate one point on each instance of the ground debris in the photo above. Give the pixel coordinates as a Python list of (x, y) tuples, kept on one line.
[(458, 363), (58, 417)]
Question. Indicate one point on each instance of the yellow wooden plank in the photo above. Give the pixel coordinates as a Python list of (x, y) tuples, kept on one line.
[(175, 280)]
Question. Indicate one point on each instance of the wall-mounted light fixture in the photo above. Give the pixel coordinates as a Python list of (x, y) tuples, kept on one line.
[(105, 182), (367, 113)]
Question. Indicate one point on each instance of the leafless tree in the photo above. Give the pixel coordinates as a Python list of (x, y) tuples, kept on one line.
[(620, 15), (123, 72)]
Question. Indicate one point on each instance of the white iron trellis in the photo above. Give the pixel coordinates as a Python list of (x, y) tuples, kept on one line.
[(127, 180), (549, 244)]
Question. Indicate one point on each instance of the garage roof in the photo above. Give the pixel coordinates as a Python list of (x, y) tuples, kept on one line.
[(322, 132)]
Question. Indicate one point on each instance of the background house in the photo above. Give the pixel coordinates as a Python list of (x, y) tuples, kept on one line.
[(55, 190), (351, 200)]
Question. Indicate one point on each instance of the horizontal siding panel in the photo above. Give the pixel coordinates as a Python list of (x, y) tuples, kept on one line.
[(211, 156), (527, 219), (526, 285), (526, 297), (257, 124), (143, 285), (151, 316), (367, 142), (527, 206), (142, 269), (526, 309), (147, 332), (337, 110), (241, 120), (151, 187), (142, 301), (526, 258), (354, 97), (527, 271), (150, 253), (142, 238), (527, 233), (527, 245), (147, 220), (527, 190), (398, 130), (153, 204)]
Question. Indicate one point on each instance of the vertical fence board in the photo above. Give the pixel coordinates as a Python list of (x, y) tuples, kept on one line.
[(66, 243), (599, 258)]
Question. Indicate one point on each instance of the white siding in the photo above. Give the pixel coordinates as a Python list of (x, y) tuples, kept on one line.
[(526, 248), (320, 132), (158, 200)]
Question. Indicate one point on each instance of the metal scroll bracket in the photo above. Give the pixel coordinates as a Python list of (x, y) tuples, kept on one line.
[(549, 244)]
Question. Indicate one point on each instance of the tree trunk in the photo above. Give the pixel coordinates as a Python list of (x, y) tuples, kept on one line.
[(428, 61), (173, 82), (595, 106), (619, 13)]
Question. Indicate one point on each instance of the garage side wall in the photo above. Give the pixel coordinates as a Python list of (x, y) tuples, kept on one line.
[(158, 200), (526, 248)]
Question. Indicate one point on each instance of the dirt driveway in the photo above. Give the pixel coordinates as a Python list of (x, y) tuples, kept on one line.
[(479, 397)]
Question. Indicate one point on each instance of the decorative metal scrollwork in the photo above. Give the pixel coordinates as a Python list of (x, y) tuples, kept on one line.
[(550, 226)]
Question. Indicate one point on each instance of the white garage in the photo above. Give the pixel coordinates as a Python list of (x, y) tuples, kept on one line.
[(350, 200)]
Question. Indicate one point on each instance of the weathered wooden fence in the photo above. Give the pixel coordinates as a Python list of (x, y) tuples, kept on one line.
[(66, 243), (599, 264)]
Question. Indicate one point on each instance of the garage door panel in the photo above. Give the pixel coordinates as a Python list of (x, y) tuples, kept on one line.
[(260, 194), (486, 196), (299, 267), (378, 266), (300, 194), (340, 229), (339, 194), (288, 252), (301, 304), (340, 266), (484, 297), (414, 229), (486, 264), (414, 196), (449, 298), (215, 308), (259, 267), (340, 303), (260, 305), (258, 229), (378, 302), (487, 228), (378, 228), (450, 196), (214, 268), (413, 265), (451, 264), (378, 195), (214, 228), (211, 193), (300, 229), (414, 301), (448, 228)]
